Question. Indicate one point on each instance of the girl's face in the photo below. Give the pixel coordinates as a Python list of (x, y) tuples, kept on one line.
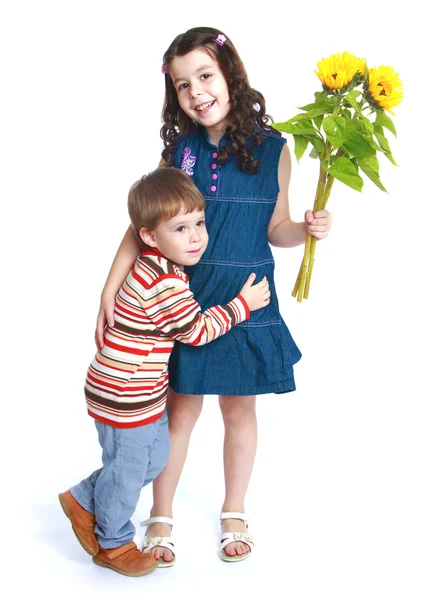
[(202, 91)]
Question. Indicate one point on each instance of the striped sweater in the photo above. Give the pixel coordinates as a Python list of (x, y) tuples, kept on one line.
[(127, 381)]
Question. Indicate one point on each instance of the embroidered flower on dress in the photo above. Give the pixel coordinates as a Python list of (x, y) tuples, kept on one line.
[(188, 161)]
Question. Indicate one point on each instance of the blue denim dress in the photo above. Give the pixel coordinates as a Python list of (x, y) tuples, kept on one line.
[(257, 356)]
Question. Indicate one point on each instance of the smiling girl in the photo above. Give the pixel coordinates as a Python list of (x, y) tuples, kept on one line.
[(216, 130)]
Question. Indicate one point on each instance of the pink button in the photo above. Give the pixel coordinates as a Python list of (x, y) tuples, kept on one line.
[(213, 188), (214, 176), (214, 166), (214, 154)]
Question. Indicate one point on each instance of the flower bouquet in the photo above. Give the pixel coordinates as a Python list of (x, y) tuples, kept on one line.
[(342, 136)]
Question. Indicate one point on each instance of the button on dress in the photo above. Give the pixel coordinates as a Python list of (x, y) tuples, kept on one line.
[(257, 356)]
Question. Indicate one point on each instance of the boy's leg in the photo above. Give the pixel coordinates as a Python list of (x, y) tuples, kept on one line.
[(82, 521), (125, 459), (160, 450), (78, 505)]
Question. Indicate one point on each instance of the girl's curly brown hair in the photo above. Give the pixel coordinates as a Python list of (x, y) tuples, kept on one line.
[(247, 115)]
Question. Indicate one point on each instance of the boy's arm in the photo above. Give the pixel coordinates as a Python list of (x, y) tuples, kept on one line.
[(172, 307)]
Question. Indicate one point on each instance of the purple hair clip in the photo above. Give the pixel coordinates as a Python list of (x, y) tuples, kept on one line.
[(163, 69), (220, 40)]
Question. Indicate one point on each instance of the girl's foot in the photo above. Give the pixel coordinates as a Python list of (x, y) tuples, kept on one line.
[(237, 525), (159, 552)]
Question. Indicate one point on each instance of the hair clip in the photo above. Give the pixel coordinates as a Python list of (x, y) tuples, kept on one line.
[(163, 69), (220, 40)]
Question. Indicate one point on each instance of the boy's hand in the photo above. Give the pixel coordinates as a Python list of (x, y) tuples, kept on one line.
[(256, 296)]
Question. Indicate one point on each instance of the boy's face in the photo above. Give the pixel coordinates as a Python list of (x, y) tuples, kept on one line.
[(183, 239)]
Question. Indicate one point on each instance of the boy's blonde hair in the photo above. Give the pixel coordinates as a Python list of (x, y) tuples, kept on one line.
[(161, 195)]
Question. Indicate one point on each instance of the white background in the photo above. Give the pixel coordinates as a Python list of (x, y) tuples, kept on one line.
[(341, 491)]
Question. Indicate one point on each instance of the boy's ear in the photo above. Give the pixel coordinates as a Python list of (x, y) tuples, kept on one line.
[(147, 237)]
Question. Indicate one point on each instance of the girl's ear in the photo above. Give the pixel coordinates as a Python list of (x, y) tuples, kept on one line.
[(147, 237)]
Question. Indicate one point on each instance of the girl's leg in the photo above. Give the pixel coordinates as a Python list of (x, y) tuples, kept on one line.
[(240, 444), (183, 413)]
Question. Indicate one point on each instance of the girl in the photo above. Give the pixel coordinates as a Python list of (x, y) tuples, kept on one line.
[(216, 129)]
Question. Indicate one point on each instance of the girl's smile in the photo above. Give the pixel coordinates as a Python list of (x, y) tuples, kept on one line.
[(202, 91), (202, 108)]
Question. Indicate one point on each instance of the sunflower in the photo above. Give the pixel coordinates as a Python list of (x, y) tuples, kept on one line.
[(384, 87), (339, 70)]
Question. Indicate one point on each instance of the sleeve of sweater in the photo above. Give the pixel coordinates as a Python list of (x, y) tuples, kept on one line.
[(171, 306)]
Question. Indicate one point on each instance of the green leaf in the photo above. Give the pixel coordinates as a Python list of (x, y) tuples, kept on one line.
[(370, 167), (334, 127), (300, 145), (382, 140), (384, 121), (365, 126), (351, 98), (317, 144), (313, 153), (318, 120), (389, 155), (323, 105), (296, 128), (345, 171), (310, 114), (356, 144)]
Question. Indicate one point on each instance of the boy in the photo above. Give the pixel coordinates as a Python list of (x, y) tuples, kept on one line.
[(127, 381)]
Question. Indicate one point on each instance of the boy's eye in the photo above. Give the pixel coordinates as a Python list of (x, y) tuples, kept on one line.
[(201, 223), (180, 228)]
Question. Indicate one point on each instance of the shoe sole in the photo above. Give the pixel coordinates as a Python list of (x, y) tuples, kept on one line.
[(237, 558), (163, 564), (106, 565), (68, 513)]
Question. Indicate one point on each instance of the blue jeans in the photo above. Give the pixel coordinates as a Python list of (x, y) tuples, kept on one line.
[(131, 458)]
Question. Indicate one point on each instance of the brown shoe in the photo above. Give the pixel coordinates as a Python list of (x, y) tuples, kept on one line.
[(126, 559), (83, 522)]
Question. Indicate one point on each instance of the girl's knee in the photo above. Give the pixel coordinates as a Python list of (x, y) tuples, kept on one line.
[(183, 411), (236, 410)]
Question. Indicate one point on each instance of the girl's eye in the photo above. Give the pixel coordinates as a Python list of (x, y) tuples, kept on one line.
[(205, 75), (182, 86)]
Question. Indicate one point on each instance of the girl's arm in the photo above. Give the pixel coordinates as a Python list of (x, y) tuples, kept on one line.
[(282, 230), (122, 264)]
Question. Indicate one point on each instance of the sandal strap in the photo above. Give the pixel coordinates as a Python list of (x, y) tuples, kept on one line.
[(152, 520), (158, 542), (152, 542), (235, 515), (229, 538)]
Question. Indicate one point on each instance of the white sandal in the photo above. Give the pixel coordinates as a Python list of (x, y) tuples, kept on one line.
[(163, 542), (229, 538)]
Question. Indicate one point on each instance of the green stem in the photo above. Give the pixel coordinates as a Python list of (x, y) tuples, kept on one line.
[(310, 267), (322, 194)]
